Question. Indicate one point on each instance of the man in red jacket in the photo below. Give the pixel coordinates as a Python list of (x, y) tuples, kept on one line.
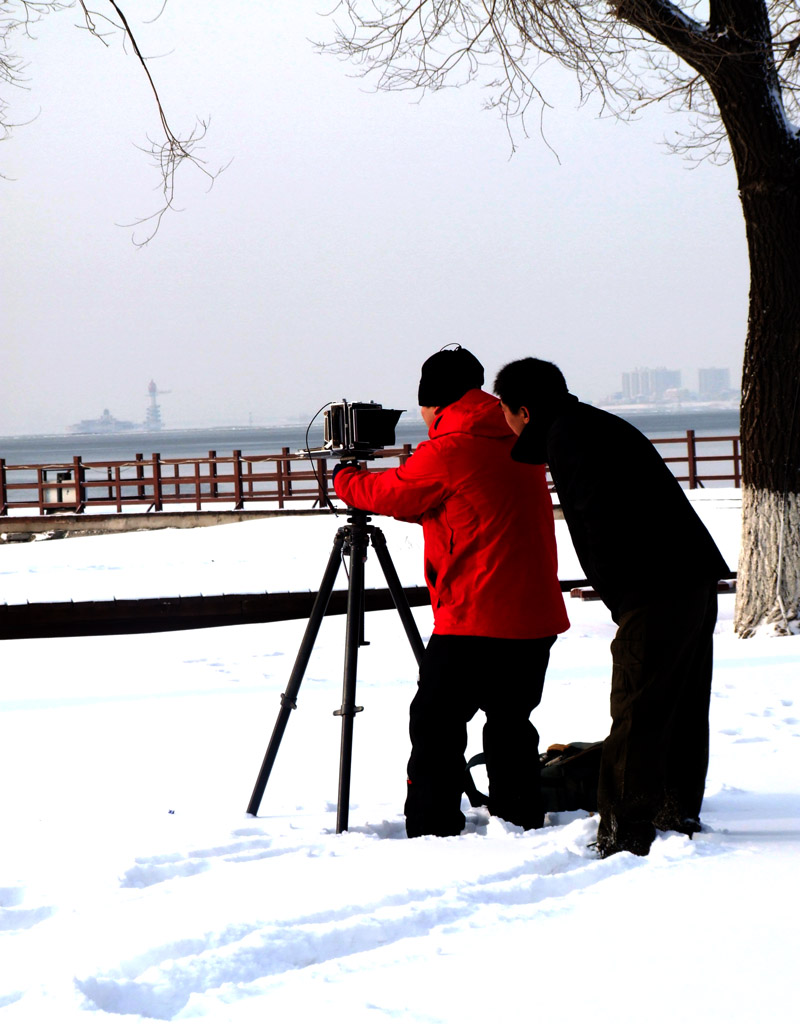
[(491, 569)]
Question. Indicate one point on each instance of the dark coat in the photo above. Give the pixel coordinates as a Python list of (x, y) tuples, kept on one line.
[(634, 530), (490, 545)]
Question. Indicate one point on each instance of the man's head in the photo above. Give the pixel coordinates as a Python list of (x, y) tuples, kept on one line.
[(447, 376), (528, 387)]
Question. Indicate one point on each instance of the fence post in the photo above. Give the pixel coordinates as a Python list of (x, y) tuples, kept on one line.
[(322, 482), (157, 504), (237, 478), (3, 490), (279, 481), (79, 474), (139, 460), (737, 469), (287, 473), (212, 473), (406, 454), (691, 458)]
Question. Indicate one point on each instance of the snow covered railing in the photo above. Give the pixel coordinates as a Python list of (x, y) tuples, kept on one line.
[(282, 480)]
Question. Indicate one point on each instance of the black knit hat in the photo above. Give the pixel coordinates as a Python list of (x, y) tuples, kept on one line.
[(448, 375)]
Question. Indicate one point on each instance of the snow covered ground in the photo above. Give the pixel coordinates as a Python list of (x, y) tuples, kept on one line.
[(134, 886)]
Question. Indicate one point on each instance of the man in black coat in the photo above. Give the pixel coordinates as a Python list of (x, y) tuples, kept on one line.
[(652, 561)]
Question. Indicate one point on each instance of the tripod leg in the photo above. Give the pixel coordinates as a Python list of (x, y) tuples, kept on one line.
[(398, 595), (289, 698), (353, 638)]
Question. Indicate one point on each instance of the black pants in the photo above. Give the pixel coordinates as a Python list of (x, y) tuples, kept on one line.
[(458, 676), (654, 763)]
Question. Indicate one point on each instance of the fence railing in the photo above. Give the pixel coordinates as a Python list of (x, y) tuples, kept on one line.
[(150, 484), (284, 479), (722, 451)]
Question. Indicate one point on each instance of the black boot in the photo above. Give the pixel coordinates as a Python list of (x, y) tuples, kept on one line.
[(614, 837)]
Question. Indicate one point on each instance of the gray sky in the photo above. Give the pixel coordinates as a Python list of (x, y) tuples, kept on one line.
[(352, 235)]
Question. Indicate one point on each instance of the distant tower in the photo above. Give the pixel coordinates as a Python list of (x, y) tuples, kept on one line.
[(152, 420)]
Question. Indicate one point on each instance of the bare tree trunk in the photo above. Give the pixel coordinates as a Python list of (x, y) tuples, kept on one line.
[(769, 563), (768, 589), (743, 77)]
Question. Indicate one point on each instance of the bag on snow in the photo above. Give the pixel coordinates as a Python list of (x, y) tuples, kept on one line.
[(570, 773)]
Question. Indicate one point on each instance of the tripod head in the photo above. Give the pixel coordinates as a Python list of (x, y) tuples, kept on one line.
[(358, 529)]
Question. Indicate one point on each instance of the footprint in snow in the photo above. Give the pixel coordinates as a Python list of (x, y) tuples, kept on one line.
[(162, 982), (148, 871), (14, 915)]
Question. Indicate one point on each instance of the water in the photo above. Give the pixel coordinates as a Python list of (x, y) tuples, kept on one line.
[(707, 422), (58, 449)]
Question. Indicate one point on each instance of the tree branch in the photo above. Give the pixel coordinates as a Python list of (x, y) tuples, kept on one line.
[(667, 25), (170, 153)]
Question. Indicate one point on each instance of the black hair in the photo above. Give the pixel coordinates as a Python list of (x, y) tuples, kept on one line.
[(529, 382), (448, 375)]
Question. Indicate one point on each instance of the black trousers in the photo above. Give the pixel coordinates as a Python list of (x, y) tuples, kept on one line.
[(655, 759), (460, 675)]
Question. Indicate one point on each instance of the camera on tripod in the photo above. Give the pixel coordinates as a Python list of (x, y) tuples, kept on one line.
[(353, 430), (356, 430)]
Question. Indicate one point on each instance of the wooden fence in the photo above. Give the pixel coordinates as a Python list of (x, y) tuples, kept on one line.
[(726, 456), (283, 479), (152, 483)]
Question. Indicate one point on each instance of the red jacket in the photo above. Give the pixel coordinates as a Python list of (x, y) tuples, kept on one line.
[(490, 548)]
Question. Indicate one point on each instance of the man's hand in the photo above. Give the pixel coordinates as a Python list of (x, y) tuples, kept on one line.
[(347, 464)]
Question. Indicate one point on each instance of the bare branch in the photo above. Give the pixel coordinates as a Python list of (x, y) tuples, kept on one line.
[(19, 17), (168, 154), (626, 54), (167, 158)]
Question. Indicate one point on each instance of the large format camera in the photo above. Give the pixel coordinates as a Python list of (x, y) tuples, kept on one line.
[(356, 430)]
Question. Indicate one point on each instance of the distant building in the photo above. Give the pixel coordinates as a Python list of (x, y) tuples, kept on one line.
[(648, 385), (105, 424), (713, 382)]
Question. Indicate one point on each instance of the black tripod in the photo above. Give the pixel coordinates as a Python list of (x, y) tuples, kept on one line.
[(351, 540)]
